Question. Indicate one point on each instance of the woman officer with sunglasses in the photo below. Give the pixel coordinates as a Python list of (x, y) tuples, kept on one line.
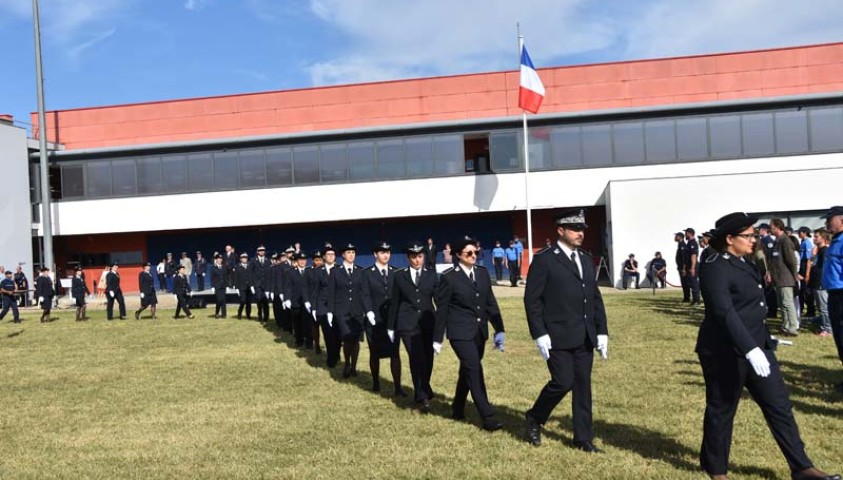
[(736, 351)]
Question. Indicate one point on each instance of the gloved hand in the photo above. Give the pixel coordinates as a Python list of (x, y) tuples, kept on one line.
[(213, 290), (437, 348), (288, 304), (252, 289), (371, 317), (272, 296), (391, 335), (499, 341), (307, 306), (110, 293), (543, 344), (41, 299), (268, 295), (759, 362), (603, 346), (330, 319), (314, 315), (190, 293), (141, 294)]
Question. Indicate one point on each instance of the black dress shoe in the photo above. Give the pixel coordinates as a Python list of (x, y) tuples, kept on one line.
[(533, 431), (424, 406), (137, 315), (346, 371), (839, 387), (399, 392), (813, 475), (376, 386), (492, 425), (458, 415), (587, 447)]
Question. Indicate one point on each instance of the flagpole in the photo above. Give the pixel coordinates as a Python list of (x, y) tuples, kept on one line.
[(526, 165)]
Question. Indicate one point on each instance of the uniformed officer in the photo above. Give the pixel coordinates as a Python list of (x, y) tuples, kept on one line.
[(7, 289), (567, 320), (330, 329), (181, 284), (736, 351), (284, 268), (349, 306), (219, 282), (311, 276), (412, 317), (148, 297), (261, 283), (78, 291), (244, 285), (170, 271), (690, 259), (297, 300), (380, 278), (201, 270), (465, 304), (22, 285), (114, 293), (679, 238), (45, 292), (231, 261)]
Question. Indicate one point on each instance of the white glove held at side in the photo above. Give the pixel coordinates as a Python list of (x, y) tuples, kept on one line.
[(142, 295), (603, 346), (110, 293), (759, 362), (371, 317), (330, 319), (391, 334), (543, 344), (437, 347)]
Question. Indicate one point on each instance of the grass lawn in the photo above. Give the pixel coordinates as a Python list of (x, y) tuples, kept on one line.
[(209, 398)]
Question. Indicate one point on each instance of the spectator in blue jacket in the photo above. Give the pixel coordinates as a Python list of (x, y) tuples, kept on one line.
[(498, 256), (512, 261)]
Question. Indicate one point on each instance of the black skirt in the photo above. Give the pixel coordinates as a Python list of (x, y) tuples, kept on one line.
[(351, 329), (379, 344), (149, 299)]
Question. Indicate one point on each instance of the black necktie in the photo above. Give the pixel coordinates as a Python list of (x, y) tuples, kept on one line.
[(383, 274), (416, 278), (349, 272), (574, 259), (471, 276)]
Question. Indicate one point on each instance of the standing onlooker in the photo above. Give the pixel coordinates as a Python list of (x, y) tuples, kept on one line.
[(170, 271), (231, 261), (657, 270), (187, 263), (430, 255), (630, 270), (519, 250), (161, 270), (822, 237), (782, 273), (806, 254), (22, 286), (201, 270), (498, 256), (679, 238), (481, 255), (833, 277), (691, 260), (446, 254), (511, 263)]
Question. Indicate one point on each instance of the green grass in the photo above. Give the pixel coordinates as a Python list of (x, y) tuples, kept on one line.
[(209, 398)]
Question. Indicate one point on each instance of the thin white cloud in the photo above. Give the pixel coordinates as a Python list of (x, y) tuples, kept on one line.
[(193, 5), (253, 74), (77, 50)]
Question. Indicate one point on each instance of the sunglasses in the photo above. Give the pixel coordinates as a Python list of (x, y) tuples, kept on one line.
[(469, 253)]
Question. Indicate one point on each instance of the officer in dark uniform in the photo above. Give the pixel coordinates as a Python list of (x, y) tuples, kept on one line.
[(297, 300), (736, 351), (679, 238), (275, 288), (380, 278), (284, 268), (78, 290), (690, 263), (330, 329), (201, 270), (412, 316), (170, 271), (45, 292), (181, 284), (114, 293), (244, 285), (348, 306), (7, 289), (311, 276), (465, 304), (430, 255), (567, 320), (22, 285), (261, 283), (219, 282), (148, 298), (231, 261)]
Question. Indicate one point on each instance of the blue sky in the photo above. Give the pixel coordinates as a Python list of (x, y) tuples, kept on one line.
[(103, 52)]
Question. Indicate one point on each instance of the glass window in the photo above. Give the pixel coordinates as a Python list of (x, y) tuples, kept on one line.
[(72, 181), (757, 130), (226, 170), (791, 132), (99, 178), (503, 147), (629, 143), (449, 154), (306, 161), (692, 139), (660, 136), (149, 175), (173, 173), (123, 176), (725, 136), (567, 151), (252, 168), (597, 145), (539, 145), (391, 159), (826, 129), (279, 166), (419, 151), (333, 166), (200, 172), (361, 160)]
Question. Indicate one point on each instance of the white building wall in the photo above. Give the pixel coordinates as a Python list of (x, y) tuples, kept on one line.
[(15, 210)]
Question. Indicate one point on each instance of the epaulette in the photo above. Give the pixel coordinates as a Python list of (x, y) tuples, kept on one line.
[(714, 256), (480, 266), (404, 269), (448, 270), (584, 253), (545, 249)]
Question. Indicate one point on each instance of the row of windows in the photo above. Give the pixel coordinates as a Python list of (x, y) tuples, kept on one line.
[(621, 143)]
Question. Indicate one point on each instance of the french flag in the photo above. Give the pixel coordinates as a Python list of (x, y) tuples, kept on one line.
[(531, 92)]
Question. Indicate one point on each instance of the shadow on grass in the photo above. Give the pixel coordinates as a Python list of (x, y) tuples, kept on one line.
[(14, 334)]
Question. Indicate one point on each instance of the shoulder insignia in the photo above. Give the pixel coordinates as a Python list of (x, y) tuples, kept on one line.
[(449, 270), (404, 269), (556, 250), (374, 268), (713, 258)]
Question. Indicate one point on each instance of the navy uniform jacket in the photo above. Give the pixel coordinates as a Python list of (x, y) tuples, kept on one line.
[(463, 308), (145, 283), (280, 278), (735, 308), (78, 288), (112, 282), (44, 287), (218, 276), (692, 248), (561, 304), (243, 277), (181, 285), (311, 282), (411, 305), (295, 287), (379, 293), (322, 278), (680, 256), (260, 273), (201, 266), (348, 296)]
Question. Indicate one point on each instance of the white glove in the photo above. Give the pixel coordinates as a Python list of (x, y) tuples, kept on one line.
[(213, 290), (307, 306), (288, 304), (314, 315), (603, 346), (110, 293), (41, 299), (543, 344), (330, 319), (437, 348), (268, 295), (252, 289), (371, 317), (759, 362), (391, 334), (272, 296), (141, 294)]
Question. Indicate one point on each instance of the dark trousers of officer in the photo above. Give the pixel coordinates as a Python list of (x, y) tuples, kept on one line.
[(181, 304), (302, 326), (263, 304), (513, 274), (219, 300), (9, 302), (109, 305), (835, 314), (277, 311), (725, 377), (690, 287), (332, 340), (286, 320), (200, 281), (498, 269), (245, 301), (570, 369), (470, 353), (420, 350)]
